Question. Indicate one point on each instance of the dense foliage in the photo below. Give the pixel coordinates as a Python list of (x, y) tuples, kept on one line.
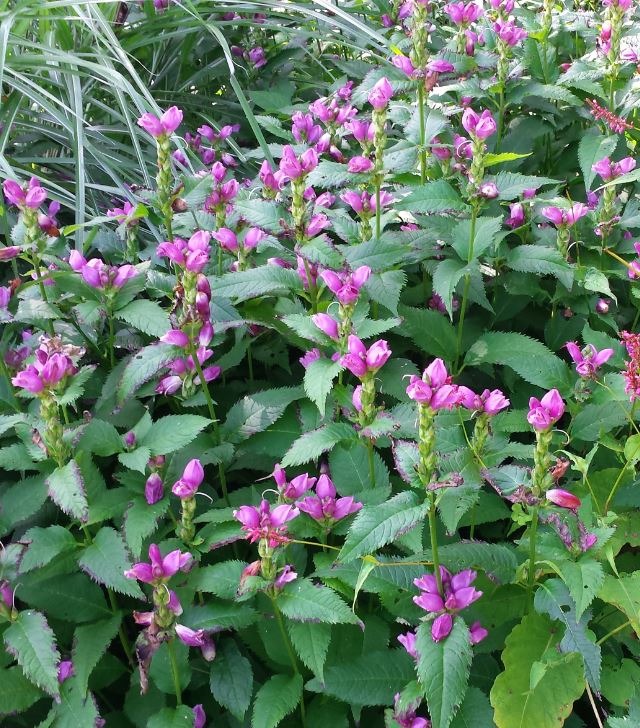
[(319, 364)]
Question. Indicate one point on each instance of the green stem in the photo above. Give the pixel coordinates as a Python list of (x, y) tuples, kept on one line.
[(112, 353), (378, 224), (174, 672), (613, 490), (124, 640), (372, 464), (619, 628), (500, 120), (313, 289), (290, 652), (423, 150), (434, 542), (43, 291), (467, 285), (5, 372), (531, 575)]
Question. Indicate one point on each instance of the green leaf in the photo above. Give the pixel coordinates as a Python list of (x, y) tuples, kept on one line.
[(141, 520), (180, 717), (429, 330), (220, 579), (446, 277), (216, 615), (75, 707), (378, 253), (333, 174), (72, 598), (137, 459), (231, 679), (90, 642), (318, 380), (491, 159), (304, 601), (76, 386), (66, 490), (385, 288), (584, 579), (278, 697), (173, 432), (594, 147), (541, 261), (437, 196), (32, 642), (16, 692), (443, 669), (143, 366), (311, 641), (475, 711), (512, 184), (101, 438), (376, 526), (553, 598), (594, 420), (261, 213), (106, 560), (529, 358), (486, 229), (261, 281), (547, 702), (371, 679), (257, 412), (623, 592), (146, 316), (350, 469), (312, 444), (44, 545)]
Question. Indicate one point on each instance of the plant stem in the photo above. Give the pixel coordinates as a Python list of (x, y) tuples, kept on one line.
[(290, 652), (423, 150), (112, 354), (5, 372), (313, 289), (531, 575), (500, 120), (467, 285), (174, 672), (434, 542), (372, 464), (619, 628), (124, 640)]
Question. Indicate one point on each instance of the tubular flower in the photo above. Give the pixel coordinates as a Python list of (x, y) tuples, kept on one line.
[(31, 196), (434, 387), (160, 569), (296, 487), (191, 479), (346, 286), (361, 361), (264, 524), (325, 507), (163, 126), (589, 359), (563, 498), (545, 412)]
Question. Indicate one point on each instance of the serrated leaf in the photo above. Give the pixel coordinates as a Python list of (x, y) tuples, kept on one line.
[(429, 330), (75, 707), (90, 642), (220, 579), (312, 444), (594, 420), (105, 560), (304, 601), (542, 261), (261, 213), (533, 361), (624, 594), (318, 380), (66, 490), (372, 679), (376, 526), (216, 615), (141, 520), (475, 711), (583, 579), (385, 288), (143, 366), (278, 697), (16, 692), (485, 230), (254, 413), (44, 545), (146, 316), (266, 279), (491, 159), (101, 438), (443, 669), (437, 196), (592, 148), (75, 387), (173, 432), (136, 459), (311, 641), (512, 184), (550, 701), (333, 174), (231, 679), (70, 597), (553, 598), (32, 642), (180, 717)]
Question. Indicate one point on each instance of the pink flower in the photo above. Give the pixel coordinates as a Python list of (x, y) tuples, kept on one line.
[(9, 252), (589, 359), (380, 94), (227, 239), (346, 286), (609, 170), (285, 576), (602, 306), (363, 131), (545, 412), (516, 217), (359, 165), (197, 638), (563, 498), (265, 524), (441, 627), (477, 633), (489, 190), (153, 489), (160, 569), (257, 57), (175, 337), (325, 508), (31, 196), (252, 238), (294, 489), (462, 14), (408, 641), (65, 670), (327, 325), (437, 65), (310, 356), (294, 168), (565, 217), (404, 64), (480, 126), (163, 126), (434, 388), (360, 361), (199, 717), (316, 225), (509, 32), (191, 479)]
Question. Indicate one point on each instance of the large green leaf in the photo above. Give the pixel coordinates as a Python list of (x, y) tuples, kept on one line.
[(173, 432), (143, 366), (304, 601), (32, 642), (16, 692), (231, 679), (90, 642), (624, 593), (318, 380), (146, 316), (443, 669), (311, 641), (437, 196), (105, 560), (44, 545), (66, 490), (312, 444), (253, 414), (592, 148), (584, 579), (278, 697), (266, 279), (541, 261), (429, 330), (538, 685), (376, 526)]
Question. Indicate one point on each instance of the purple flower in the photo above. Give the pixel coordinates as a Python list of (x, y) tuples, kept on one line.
[(227, 239), (176, 337), (437, 65), (589, 359), (304, 129), (480, 126), (191, 479), (404, 64), (294, 168), (160, 569), (197, 638), (363, 131), (31, 196), (434, 388), (316, 225), (609, 170), (257, 57), (47, 372), (545, 412), (462, 14), (346, 286), (563, 498), (489, 190), (265, 524), (359, 165), (324, 507), (153, 489), (565, 217), (360, 361), (199, 717), (285, 576), (441, 627), (408, 641), (327, 325), (9, 252), (310, 356), (65, 670), (380, 94), (294, 489), (477, 633), (509, 32), (163, 126), (602, 306), (252, 237), (516, 217)]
